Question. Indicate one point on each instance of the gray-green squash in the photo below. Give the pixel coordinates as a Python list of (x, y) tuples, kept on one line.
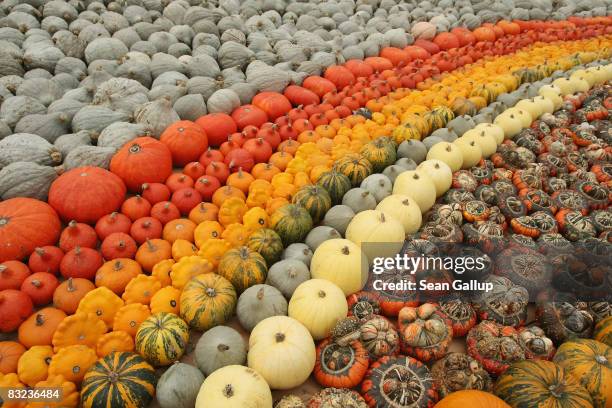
[(178, 387), (359, 200), (48, 126), (338, 217), (219, 347), (119, 133), (16, 107), (26, 179), (156, 115), (190, 107), (412, 149), (378, 185), (320, 234), (95, 156), (68, 142), (298, 251), (286, 275), (30, 148), (393, 171), (260, 302), (96, 118)]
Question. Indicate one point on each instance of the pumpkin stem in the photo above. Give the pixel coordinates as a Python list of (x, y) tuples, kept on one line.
[(112, 217), (3, 221), (210, 292), (40, 319), (280, 337), (121, 244), (345, 250), (322, 293), (292, 272), (77, 250), (40, 251), (260, 294), (135, 148), (72, 224), (601, 359), (118, 265), (3, 268), (70, 287), (228, 391), (244, 253), (222, 347), (150, 246), (36, 283)]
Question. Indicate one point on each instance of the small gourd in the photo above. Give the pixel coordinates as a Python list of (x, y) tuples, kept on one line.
[(162, 338), (470, 151), (287, 275), (141, 289), (258, 303), (166, 300), (219, 347), (72, 362), (178, 387), (114, 341), (298, 251), (80, 328), (187, 268), (129, 318), (33, 365)]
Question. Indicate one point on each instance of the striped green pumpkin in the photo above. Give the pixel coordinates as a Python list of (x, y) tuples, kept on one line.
[(439, 116), (162, 338), (336, 184), (603, 331), (541, 383), (355, 167), (243, 267), (292, 223), (315, 199), (267, 243), (207, 300), (381, 152), (119, 380)]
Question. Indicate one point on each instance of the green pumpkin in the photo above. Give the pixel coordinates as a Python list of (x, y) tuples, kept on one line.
[(439, 116), (355, 167), (336, 184), (462, 106), (541, 383), (162, 338), (292, 223), (119, 380), (603, 331), (243, 267), (484, 92), (207, 300), (381, 152), (267, 243), (315, 199), (526, 75), (405, 132)]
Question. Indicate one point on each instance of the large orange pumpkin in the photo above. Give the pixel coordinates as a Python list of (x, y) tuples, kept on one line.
[(86, 194), (185, 140), (471, 399), (143, 160), (10, 351), (319, 85), (340, 76), (273, 103), (26, 224), (249, 115), (218, 126)]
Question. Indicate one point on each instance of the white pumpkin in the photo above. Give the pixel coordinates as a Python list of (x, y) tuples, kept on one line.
[(377, 234), (565, 86), (423, 30), (448, 153), (523, 115), (342, 262), (588, 76), (470, 150), (318, 304), (234, 386), (549, 88), (282, 350), (531, 107), (545, 105), (552, 96), (494, 130), (484, 140), (405, 209), (439, 173), (510, 123), (579, 84), (417, 185)]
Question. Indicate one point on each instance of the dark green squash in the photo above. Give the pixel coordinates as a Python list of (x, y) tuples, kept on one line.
[(268, 243), (336, 184), (292, 223), (243, 267), (355, 167), (162, 338), (315, 199), (381, 152)]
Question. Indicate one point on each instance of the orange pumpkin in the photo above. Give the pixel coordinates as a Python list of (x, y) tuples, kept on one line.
[(152, 252), (116, 274), (39, 328), (225, 193), (70, 292), (186, 141), (204, 212), (181, 228), (471, 399), (10, 352)]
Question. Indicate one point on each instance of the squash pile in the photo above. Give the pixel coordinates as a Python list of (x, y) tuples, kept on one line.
[(278, 223)]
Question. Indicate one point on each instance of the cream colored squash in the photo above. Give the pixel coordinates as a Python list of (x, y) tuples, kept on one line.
[(485, 141), (510, 123), (377, 234), (342, 262), (405, 209), (549, 88), (318, 304), (586, 75), (234, 386), (530, 107), (447, 153), (470, 150), (439, 172), (523, 115), (491, 129), (417, 185), (282, 350), (554, 97), (579, 84), (546, 105), (565, 85)]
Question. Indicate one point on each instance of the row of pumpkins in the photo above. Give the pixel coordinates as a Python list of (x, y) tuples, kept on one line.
[(293, 230)]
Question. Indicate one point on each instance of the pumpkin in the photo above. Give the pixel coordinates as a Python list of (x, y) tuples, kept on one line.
[(72, 362), (603, 331), (182, 248), (287, 275), (10, 352), (292, 223), (282, 350), (341, 262), (336, 396), (136, 207), (181, 228), (105, 194), (26, 224), (425, 331), (179, 386), (315, 199), (258, 303), (142, 160), (471, 398), (141, 289), (185, 140), (539, 383), (404, 209), (77, 234), (166, 300), (336, 184), (219, 347), (231, 211), (207, 230), (114, 341), (116, 274), (457, 372), (470, 152), (39, 328), (355, 167), (118, 245), (267, 243), (146, 228), (399, 381), (494, 346), (162, 338), (103, 303), (187, 268), (417, 185), (39, 286), (81, 263), (243, 267), (589, 363), (69, 293), (234, 386), (448, 153), (33, 365), (377, 234), (80, 328), (255, 218), (318, 304), (341, 365), (152, 252), (46, 259), (15, 307), (121, 380), (11, 381), (207, 301), (129, 318)]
